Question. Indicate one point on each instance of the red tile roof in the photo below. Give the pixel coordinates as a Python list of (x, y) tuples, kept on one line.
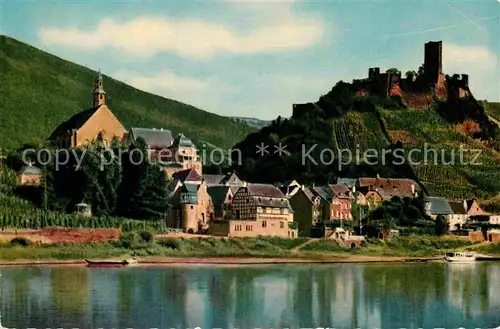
[(388, 186), (341, 191)]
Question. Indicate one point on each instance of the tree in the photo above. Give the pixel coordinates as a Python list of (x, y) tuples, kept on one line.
[(442, 225)]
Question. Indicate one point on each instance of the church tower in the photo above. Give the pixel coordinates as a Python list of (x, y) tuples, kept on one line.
[(99, 95)]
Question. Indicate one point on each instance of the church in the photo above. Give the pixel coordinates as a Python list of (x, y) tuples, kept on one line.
[(88, 124)]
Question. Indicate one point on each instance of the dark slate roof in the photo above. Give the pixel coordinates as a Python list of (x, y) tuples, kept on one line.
[(158, 138), (265, 190), (213, 180), (439, 205), (309, 194), (349, 182), (75, 122), (457, 208), (30, 170), (187, 175), (324, 192), (182, 141), (218, 194), (341, 191), (231, 179)]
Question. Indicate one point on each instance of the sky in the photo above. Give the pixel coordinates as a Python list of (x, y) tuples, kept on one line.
[(255, 58)]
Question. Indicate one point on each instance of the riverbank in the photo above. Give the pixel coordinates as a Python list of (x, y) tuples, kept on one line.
[(208, 250), (159, 261)]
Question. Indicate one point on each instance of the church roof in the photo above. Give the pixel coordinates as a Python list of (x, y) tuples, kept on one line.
[(182, 141), (75, 122), (153, 137)]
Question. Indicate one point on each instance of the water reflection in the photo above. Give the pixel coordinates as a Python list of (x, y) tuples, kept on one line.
[(293, 296)]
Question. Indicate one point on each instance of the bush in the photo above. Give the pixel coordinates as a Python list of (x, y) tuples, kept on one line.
[(129, 240), (169, 243), (20, 242), (146, 236)]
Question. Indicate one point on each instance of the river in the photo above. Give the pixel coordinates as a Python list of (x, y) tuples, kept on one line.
[(265, 296)]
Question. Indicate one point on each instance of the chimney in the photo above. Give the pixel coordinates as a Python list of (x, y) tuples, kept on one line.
[(302, 187), (465, 205), (354, 189), (245, 184), (413, 188), (378, 176)]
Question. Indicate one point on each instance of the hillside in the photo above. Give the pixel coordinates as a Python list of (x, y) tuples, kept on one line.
[(39, 90), (345, 119), (252, 122)]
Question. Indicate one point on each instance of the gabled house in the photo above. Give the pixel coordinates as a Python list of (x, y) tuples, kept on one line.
[(307, 209), (257, 209), (89, 124), (190, 208), (459, 216), (290, 188), (221, 196), (373, 199), (157, 140), (473, 208), (325, 195), (341, 208), (30, 175), (181, 155)]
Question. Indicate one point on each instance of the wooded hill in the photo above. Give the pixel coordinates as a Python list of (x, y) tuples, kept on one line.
[(38, 91), (344, 119)]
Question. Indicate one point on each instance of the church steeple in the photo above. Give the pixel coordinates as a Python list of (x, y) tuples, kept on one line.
[(99, 95)]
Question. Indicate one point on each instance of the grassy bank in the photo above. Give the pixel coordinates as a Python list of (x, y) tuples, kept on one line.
[(137, 245)]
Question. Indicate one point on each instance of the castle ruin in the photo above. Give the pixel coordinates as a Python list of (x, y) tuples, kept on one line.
[(416, 90)]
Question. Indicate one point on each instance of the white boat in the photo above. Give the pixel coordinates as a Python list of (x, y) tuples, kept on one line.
[(460, 257)]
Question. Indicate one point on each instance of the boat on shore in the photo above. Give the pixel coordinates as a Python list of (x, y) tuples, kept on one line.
[(119, 263), (460, 257)]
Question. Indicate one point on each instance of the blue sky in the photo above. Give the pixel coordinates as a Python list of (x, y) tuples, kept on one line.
[(255, 58)]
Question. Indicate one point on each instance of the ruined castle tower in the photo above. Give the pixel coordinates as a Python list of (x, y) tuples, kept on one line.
[(433, 61)]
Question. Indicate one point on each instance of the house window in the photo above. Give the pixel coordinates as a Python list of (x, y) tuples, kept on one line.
[(264, 223), (282, 225), (237, 227), (249, 227), (191, 207)]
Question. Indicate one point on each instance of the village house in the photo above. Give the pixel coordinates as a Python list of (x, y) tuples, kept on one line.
[(90, 124), (221, 196), (30, 175), (157, 140), (359, 197), (257, 209), (387, 188), (190, 205), (341, 203), (459, 216), (179, 156), (307, 210)]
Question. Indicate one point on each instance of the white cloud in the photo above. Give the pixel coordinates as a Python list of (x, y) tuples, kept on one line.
[(275, 28), (478, 62), (204, 93)]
